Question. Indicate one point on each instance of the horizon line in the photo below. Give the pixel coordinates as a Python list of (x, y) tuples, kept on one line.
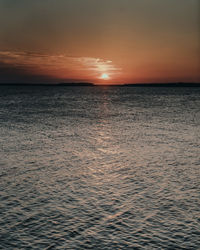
[(88, 84)]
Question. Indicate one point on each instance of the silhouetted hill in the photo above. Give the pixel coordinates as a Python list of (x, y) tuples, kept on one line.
[(86, 84), (162, 85)]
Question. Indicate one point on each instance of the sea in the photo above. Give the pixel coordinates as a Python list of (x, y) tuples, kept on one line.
[(99, 167)]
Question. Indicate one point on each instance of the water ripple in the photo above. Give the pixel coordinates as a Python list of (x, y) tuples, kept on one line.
[(99, 168)]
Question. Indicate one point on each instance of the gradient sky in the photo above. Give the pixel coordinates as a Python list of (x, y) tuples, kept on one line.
[(100, 41)]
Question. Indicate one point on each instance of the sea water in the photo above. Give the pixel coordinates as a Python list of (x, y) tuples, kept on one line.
[(99, 167)]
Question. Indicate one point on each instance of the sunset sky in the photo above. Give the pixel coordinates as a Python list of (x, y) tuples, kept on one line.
[(99, 41)]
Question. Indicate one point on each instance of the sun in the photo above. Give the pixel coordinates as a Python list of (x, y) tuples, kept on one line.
[(105, 76)]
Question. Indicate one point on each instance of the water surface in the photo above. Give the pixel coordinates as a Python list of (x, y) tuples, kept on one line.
[(99, 168)]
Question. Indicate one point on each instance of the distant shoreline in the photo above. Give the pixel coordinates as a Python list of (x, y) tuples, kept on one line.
[(82, 84), (163, 85)]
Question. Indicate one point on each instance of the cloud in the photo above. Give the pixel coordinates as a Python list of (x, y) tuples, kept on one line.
[(99, 66), (59, 66), (18, 74)]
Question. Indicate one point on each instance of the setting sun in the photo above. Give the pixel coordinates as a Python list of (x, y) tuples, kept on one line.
[(105, 76)]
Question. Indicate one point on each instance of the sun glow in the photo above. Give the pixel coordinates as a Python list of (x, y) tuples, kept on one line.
[(105, 76)]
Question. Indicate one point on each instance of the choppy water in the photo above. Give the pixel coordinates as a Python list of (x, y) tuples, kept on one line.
[(99, 168)]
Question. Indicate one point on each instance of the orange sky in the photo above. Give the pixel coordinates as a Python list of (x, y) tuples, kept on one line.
[(107, 41)]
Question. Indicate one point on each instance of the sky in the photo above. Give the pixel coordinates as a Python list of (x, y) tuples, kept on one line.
[(99, 41)]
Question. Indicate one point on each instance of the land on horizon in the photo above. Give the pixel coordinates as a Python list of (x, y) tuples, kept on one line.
[(86, 84)]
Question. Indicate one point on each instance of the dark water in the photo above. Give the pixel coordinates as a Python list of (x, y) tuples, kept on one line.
[(99, 168)]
